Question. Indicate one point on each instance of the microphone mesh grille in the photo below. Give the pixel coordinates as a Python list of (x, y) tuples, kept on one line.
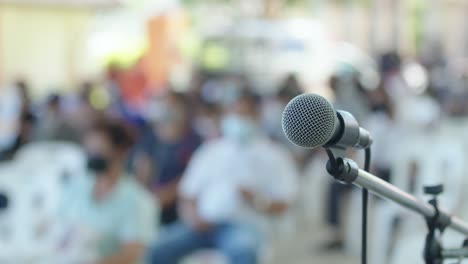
[(309, 120)]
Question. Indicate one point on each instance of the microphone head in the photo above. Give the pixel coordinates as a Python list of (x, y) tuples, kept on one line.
[(309, 121)]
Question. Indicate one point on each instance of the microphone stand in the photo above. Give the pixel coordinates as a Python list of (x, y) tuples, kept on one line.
[(347, 171)]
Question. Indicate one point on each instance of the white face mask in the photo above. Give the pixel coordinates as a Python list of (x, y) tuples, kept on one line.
[(238, 128), (206, 127)]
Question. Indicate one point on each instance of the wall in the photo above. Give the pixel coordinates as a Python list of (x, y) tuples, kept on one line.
[(45, 45)]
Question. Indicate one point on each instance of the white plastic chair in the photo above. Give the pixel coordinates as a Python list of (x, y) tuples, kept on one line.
[(67, 157), (440, 160), (447, 167), (39, 200), (8, 217), (385, 212), (49, 152), (313, 192), (23, 224), (34, 181)]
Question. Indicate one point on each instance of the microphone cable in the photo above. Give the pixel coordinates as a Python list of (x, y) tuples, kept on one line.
[(365, 200)]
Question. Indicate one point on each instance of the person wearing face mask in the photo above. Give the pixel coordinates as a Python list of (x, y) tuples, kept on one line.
[(164, 150), (53, 123), (109, 217), (231, 187), (207, 119)]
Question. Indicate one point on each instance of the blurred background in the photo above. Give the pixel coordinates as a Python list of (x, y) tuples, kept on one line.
[(149, 131)]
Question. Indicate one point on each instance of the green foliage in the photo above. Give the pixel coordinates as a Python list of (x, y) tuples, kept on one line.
[(296, 2)]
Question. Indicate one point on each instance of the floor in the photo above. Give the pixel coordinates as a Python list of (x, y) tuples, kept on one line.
[(304, 249)]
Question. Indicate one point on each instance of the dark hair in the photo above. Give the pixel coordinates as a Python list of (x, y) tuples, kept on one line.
[(290, 87), (182, 101), (85, 89), (118, 134), (247, 95), (22, 86), (251, 99), (24, 92), (390, 61), (54, 99)]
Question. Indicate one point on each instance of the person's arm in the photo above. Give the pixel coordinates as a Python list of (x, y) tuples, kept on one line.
[(281, 183), (269, 207), (143, 168), (167, 194), (191, 185), (189, 214), (129, 253)]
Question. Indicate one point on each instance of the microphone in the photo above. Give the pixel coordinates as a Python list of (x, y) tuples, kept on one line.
[(310, 121)]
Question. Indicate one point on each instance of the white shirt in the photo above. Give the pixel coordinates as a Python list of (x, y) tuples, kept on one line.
[(386, 135), (220, 168)]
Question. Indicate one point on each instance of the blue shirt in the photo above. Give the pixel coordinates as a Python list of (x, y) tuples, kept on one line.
[(169, 159), (169, 163)]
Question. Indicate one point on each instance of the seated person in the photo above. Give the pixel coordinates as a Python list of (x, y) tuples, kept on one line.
[(10, 107), (53, 124), (111, 206), (231, 185), (163, 152)]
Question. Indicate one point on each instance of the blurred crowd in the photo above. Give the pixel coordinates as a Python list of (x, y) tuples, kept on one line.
[(212, 161)]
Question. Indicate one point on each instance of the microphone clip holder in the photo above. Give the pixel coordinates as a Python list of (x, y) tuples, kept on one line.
[(434, 252), (433, 245), (342, 169)]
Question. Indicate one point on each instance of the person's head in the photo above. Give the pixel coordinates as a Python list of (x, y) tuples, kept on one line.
[(241, 117), (246, 105), (24, 92), (112, 71), (390, 62), (172, 121), (333, 83), (290, 88), (53, 103), (206, 120), (106, 144), (85, 89), (23, 88), (379, 101)]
